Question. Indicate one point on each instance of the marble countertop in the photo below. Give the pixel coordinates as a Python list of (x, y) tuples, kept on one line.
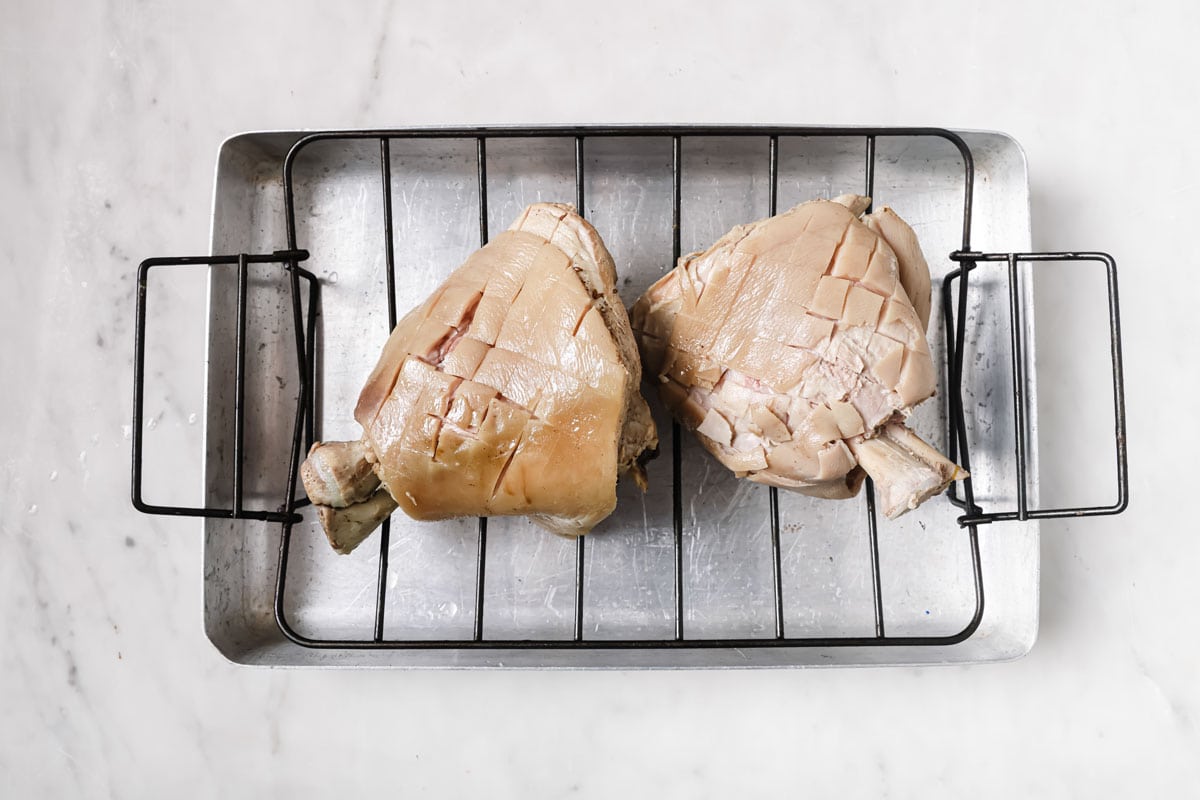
[(111, 115)]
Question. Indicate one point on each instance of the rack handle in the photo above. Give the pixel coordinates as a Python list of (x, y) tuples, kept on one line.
[(290, 259), (955, 326)]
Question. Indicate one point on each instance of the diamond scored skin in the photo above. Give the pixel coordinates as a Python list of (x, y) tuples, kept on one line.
[(795, 348), (512, 390)]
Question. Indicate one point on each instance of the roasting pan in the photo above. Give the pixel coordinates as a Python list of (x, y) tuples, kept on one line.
[(321, 239)]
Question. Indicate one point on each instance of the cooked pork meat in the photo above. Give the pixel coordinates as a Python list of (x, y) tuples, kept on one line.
[(512, 390), (795, 347)]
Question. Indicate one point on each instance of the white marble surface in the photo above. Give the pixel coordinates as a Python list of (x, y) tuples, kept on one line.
[(110, 115)]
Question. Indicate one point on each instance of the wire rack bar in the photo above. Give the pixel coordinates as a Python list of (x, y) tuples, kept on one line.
[(773, 493), (481, 549), (676, 441), (385, 530), (580, 542)]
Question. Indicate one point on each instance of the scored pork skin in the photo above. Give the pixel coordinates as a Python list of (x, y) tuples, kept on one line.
[(514, 388), (792, 343)]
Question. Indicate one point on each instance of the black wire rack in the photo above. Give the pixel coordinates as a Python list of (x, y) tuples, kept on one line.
[(954, 309)]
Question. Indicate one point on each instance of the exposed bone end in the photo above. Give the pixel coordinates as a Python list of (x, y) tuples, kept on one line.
[(346, 528), (906, 470), (340, 480), (338, 474)]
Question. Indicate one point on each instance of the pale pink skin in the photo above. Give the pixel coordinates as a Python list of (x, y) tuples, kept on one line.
[(812, 392)]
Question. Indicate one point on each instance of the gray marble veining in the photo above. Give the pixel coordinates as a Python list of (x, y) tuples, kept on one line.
[(110, 117)]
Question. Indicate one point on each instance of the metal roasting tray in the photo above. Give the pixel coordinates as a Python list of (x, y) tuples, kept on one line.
[(701, 571)]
